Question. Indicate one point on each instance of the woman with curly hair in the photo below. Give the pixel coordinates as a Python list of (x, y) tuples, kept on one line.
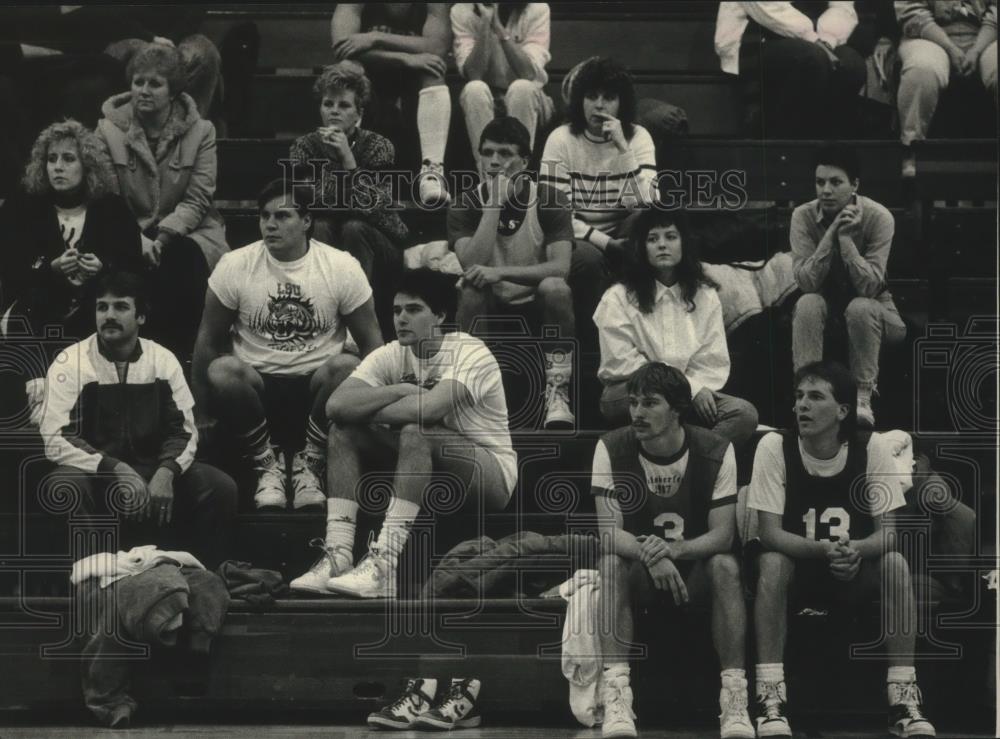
[(666, 310), (602, 159), (164, 155), (359, 216), (63, 229)]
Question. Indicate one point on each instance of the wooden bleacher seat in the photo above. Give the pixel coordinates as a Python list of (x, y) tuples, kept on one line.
[(668, 47)]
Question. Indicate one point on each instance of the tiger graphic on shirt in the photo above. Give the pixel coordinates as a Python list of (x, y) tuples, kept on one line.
[(289, 320)]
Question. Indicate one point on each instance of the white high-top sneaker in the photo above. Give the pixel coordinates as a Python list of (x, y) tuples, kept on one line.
[(734, 720), (906, 718), (374, 577), (619, 719), (270, 468), (331, 562), (307, 484)]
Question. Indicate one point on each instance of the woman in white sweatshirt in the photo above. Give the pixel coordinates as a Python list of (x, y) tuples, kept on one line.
[(665, 309)]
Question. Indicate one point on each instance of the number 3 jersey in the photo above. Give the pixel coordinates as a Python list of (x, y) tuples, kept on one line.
[(823, 499), (667, 496)]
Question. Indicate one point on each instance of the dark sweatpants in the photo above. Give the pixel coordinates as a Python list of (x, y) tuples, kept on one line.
[(203, 514), (792, 89)]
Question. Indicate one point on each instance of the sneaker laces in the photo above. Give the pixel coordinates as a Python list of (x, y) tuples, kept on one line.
[(271, 469), (411, 694), (327, 553), (615, 709), (303, 462), (734, 701), (772, 701), (909, 697), (300, 465), (556, 390), (456, 692), (372, 561)]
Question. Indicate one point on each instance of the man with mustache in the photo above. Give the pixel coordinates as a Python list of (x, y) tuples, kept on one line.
[(825, 497), (665, 494), (118, 417)]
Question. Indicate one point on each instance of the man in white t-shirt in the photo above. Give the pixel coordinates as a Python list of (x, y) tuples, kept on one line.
[(271, 344), (825, 497), (665, 495), (427, 402)]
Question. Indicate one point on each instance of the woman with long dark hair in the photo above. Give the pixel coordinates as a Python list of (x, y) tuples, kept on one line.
[(65, 227), (602, 159), (665, 309)]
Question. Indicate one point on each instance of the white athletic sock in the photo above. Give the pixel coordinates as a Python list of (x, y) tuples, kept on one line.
[(616, 669), (341, 519), (396, 528), (733, 674), (771, 672), (433, 119), (558, 367), (901, 675)]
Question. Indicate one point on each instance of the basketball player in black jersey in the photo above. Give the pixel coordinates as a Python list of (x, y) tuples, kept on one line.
[(666, 497), (825, 495)]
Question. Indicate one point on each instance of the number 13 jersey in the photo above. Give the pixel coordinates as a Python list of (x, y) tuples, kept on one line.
[(823, 499)]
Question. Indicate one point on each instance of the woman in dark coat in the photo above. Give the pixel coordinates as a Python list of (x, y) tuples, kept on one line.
[(62, 230)]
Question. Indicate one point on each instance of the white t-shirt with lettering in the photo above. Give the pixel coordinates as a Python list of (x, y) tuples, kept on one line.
[(289, 314), (468, 361)]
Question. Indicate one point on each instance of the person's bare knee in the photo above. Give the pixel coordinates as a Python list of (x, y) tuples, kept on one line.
[(227, 371), (724, 572), (333, 372)]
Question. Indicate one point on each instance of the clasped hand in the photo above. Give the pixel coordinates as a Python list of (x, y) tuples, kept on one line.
[(845, 560)]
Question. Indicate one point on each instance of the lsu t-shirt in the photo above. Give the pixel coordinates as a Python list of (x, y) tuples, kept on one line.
[(289, 314), (468, 361)]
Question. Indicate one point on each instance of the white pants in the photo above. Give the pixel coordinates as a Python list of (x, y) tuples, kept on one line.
[(926, 72), (524, 99)]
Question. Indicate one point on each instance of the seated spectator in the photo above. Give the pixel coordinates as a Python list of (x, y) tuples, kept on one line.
[(118, 413), (75, 51), (840, 249), (403, 47), (797, 75), (360, 218), (59, 234), (429, 401), (602, 159), (502, 49), (825, 494), (514, 240), (941, 39), (164, 155), (665, 310), (271, 345), (673, 549), (665, 122)]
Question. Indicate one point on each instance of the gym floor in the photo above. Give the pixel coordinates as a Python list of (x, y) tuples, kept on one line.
[(352, 732)]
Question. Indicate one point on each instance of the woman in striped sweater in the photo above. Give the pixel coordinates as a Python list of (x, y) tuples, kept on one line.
[(602, 159)]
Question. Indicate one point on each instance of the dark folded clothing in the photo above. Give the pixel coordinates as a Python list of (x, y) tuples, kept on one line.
[(256, 586)]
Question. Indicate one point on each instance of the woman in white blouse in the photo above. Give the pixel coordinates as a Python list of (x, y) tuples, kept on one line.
[(666, 310)]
